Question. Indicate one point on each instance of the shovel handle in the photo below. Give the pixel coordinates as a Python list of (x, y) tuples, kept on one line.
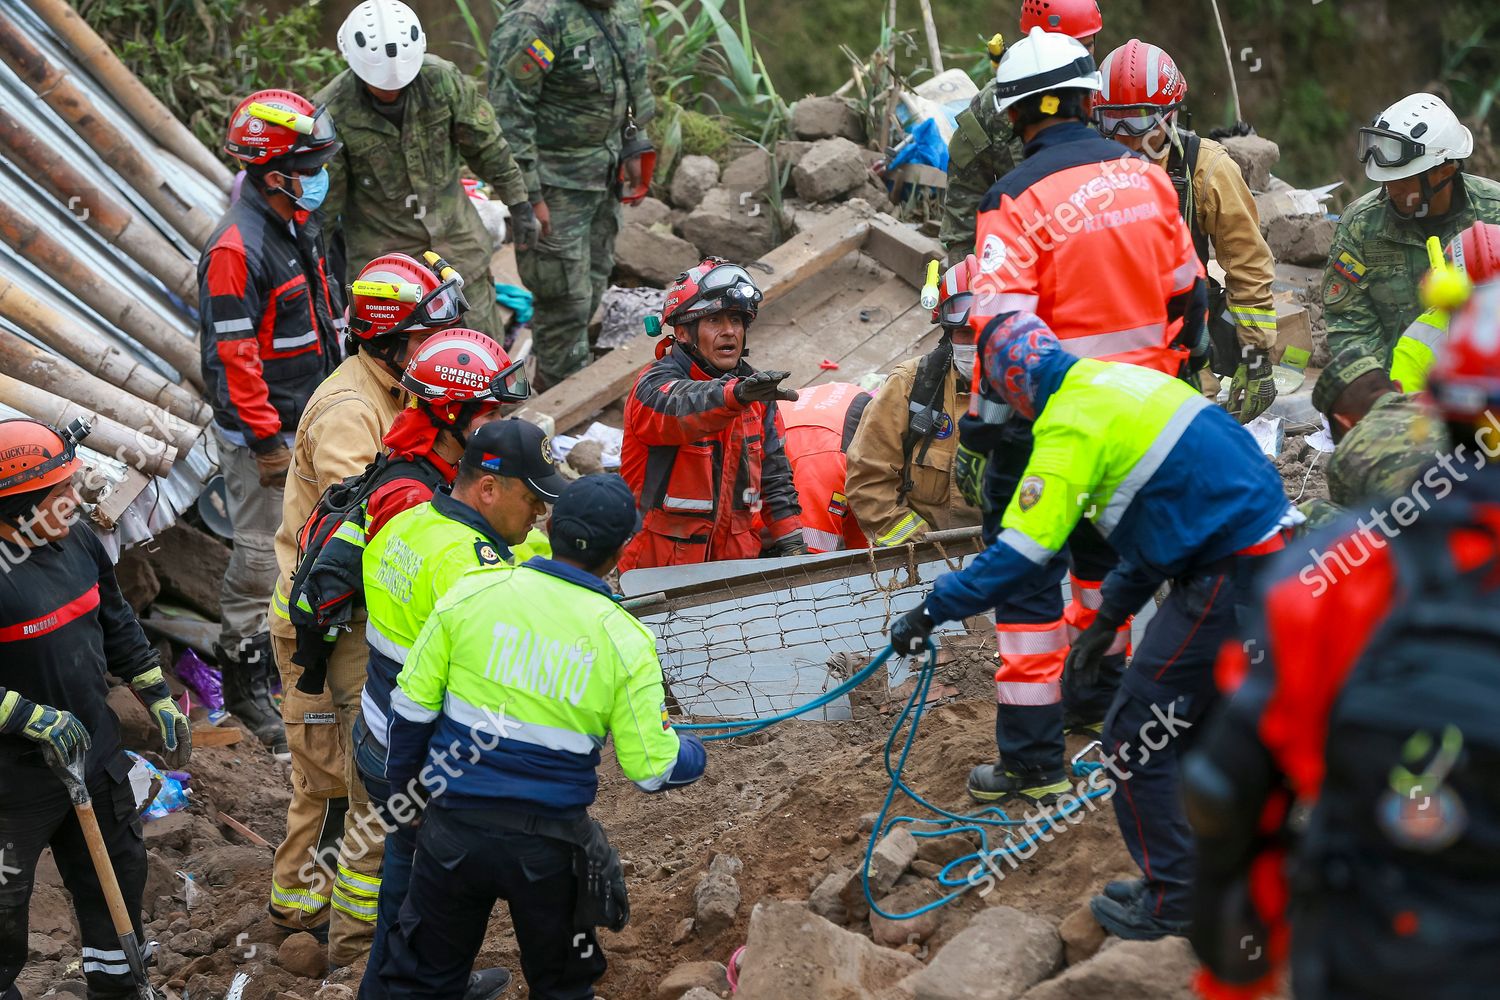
[(99, 854)]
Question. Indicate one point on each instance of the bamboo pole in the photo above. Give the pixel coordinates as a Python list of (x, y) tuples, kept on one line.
[(888, 129), (109, 300), (133, 96), (82, 345), (935, 51), (97, 208), (56, 87), (23, 360), (135, 448)]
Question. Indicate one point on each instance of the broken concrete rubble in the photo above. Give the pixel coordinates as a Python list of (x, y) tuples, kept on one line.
[(1127, 970), (652, 256), (694, 177), (830, 169), (1256, 156), (647, 212), (791, 952), (827, 118), (892, 856), (1000, 955), (736, 227)]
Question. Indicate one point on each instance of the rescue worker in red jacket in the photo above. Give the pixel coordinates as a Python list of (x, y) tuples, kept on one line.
[(1086, 235), (270, 325), (703, 449), (1345, 801), (820, 426), (64, 624)]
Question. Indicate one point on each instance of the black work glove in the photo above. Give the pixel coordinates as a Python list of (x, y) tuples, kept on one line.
[(1081, 669), (789, 545), (763, 387), (524, 225), (909, 632), (314, 650)]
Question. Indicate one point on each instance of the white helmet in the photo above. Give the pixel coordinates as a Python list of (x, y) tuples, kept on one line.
[(1411, 137), (383, 42), (1043, 61)]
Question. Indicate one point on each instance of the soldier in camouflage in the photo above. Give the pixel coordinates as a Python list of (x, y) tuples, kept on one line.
[(568, 81), (1415, 149), (409, 122), (984, 147), (1384, 439)]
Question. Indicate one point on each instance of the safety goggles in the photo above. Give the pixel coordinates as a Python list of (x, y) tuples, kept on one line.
[(1133, 120), (955, 311), (1387, 148), (731, 284), (511, 385)]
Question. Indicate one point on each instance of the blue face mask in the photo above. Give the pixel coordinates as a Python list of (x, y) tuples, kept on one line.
[(314, 190)]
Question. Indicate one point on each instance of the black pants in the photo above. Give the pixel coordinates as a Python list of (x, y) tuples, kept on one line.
[(35, 812), (460, 870)]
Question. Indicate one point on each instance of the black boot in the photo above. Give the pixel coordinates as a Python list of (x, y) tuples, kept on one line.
[(247, 690), (991, 783), (1133, 920)]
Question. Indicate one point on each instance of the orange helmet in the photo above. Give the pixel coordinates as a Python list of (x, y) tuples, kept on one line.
[(1465, 380), (458, 374), (1476, 251), (280, 126), (398, 294), (35, 457), (955, 294), (1079, 18)]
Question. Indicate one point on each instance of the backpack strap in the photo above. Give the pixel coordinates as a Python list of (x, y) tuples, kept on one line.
[(926, 396), (1182, 165)]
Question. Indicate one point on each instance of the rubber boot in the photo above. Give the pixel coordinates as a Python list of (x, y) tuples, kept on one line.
[(247, 690), (991, 783)]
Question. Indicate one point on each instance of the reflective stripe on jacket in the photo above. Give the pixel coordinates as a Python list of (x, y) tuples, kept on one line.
[(1417, 349), (819, 428)]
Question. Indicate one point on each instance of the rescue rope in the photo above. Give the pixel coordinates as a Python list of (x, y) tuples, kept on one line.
[(949, 823)]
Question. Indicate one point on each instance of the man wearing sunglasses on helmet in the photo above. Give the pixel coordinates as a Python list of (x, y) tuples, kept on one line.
[(1415, 150), (1138, 108), (270, 322), (704, 446), (395, 303)]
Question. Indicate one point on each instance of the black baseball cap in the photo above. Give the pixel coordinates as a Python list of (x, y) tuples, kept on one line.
[(516, 448), (595, 515)]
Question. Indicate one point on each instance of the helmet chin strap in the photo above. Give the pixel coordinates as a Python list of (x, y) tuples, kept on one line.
[(1429, 191)]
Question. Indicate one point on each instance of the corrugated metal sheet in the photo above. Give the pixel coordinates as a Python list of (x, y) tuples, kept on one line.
[(163, 498)]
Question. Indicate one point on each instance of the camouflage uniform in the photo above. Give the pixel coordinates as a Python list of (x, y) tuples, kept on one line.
[(563, 97), (398, 189), (1380, 458), (1370, 284), (984, 148)]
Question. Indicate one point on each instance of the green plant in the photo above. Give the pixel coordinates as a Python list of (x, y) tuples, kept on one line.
[(201, 58)]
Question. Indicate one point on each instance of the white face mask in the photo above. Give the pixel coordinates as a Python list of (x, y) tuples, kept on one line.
[(963, 357)]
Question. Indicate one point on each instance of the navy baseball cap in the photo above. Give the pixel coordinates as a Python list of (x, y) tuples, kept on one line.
[(516, 448), (596, 514)]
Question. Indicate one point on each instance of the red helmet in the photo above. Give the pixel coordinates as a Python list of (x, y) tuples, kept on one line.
[(714, 286), (398, 294), (458, 368), (35, 457), (955, 294), (1476, 251), (1142, 86), (1465, 380), (280, 126), (1079, 18)]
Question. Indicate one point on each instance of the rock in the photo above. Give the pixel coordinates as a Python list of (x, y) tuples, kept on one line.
[(826, 118), (334, 991), (693, 975), (725, 226), (926, 869), (699, 993), (912, 930), (748, 172), (819, 853), (1256, 156), (1129, 970), (190, 565), (653, 256), (43, 947), (174, 831), (584, 457), (1000, 955), (195, 941), (893, 855), (694, 177), (1299, 239), (827, 900), (1081, 935), (137, 731), (684, 930), (138, 581), (302, 955), (789, 153), (648, 212), (717, 896), (792, 952), (832, 168), (942, 850)]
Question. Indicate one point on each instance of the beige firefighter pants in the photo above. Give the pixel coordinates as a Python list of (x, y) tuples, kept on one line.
[(343, 876)]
